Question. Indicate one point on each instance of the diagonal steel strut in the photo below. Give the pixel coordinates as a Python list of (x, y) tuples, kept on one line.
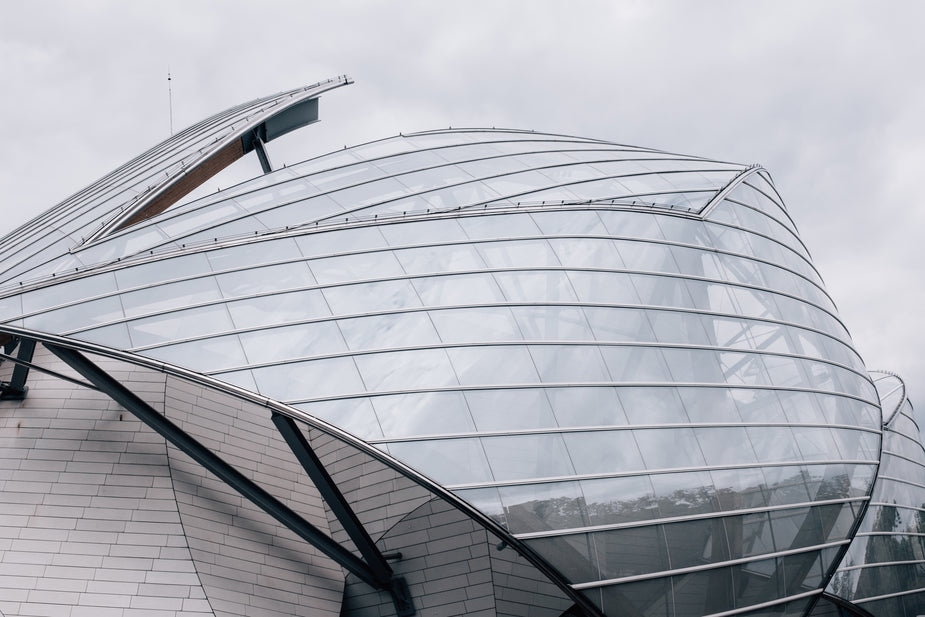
[(397, 587), (332, 495)]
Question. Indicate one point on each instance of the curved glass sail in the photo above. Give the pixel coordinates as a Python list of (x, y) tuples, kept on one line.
[(624, 357)]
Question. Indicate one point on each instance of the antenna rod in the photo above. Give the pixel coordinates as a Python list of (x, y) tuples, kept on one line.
[(170, 100)]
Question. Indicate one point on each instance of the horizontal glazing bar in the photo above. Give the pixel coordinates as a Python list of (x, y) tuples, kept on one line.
[(889, 595), (754, 607), (555, 343), (621, 427), (681, 519), (650, 472), (880, 564), (711, 566), (568, 384)]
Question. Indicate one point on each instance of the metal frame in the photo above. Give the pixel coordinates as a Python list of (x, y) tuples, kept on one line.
[(704, 248), (370, 571), (587, 608), (16, 388)]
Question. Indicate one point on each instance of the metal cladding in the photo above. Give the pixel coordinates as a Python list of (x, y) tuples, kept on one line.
[(618, 364)]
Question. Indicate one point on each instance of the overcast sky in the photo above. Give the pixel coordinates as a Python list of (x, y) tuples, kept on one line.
[(829, 96)]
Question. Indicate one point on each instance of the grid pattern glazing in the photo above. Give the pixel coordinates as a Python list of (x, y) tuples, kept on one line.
[(623, 356), (884, 570)]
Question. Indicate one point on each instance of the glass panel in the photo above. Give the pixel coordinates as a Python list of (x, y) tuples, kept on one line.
[(619, 500), (677, 327), (475, 325), (518, 254), (774, 443), (739, 488), (371, 297), (652, 405), (551, 286), (631, 225), (561, 364), (447, 461), (77, 316), (179, 325), (428, 179), (586, 406), (252, 254), (551, 323), (179, 226), (694, 365), (486, 500), (725, 445), (340, 241), (499, 226), (344, 176), (306, 380), (683, 494), (709, 405), (493, 166), (261, 280), (669, 448), (662, 291), (158, 271), (388, 331), (520, 457), (368, 193), (628, 552), (786, 484), (460, 196), (604, 287), (214, 354), (694, 543), (443, 231), (573, 555), (603, 452), (571, 222), (300, 210), (493, 365), (587, 253), (63, 293), (504, 410), (636, 364), (165, 297), (278, 309), (304, 340), (347, 268), (115, 336), (353, 415), (406, 370), (646, 256), (816, 444), (619, 325), (541, 507), (438, 259), (460, 289), (758, 405), (426, 413)]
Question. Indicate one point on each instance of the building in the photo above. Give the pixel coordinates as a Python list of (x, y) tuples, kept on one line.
[(454, 372)]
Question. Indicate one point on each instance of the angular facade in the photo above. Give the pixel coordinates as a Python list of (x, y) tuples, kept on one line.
[(476, 371)]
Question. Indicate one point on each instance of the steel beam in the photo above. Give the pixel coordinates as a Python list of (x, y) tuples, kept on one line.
[(332, 496), (262, 155), (208, 459), (344, 513), (15, 389)]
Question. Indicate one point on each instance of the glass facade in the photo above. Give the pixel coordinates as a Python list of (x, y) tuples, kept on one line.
[(624, 357)]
